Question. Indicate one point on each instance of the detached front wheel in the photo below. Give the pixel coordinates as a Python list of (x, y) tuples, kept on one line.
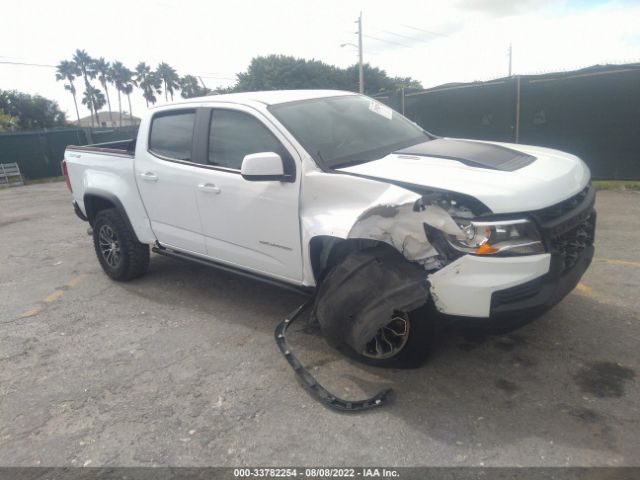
[(120, 254), (405, 342), (374, 306)]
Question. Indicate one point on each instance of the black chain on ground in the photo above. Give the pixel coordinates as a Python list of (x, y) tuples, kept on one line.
[(311, 384)]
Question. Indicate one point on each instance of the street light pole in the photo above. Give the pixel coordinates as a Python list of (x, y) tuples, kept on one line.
[(361, 83)]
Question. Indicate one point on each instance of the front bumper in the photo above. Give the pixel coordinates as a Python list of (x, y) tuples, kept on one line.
[(505, 288), (466, 286)]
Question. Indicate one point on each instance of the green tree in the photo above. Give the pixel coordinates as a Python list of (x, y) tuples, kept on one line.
[(276, 72), (170, 79), (7, 122), (31, 111), (189, 87), (105, 75), (122, 77), (148, 82), (128, 90), (85, 63), (93, 98), (68, 71)]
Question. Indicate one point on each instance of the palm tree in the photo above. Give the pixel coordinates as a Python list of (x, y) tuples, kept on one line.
[(85, 63), (128, 89), (68, 71), (121, 75), (148, 82), (189, 87), (103, 71), (169, 78), (94, 100)]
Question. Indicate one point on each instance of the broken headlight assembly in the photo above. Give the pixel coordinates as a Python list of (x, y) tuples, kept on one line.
[(497, 237)]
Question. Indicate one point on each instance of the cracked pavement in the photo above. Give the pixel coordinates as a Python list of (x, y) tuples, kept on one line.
[(180, 367)]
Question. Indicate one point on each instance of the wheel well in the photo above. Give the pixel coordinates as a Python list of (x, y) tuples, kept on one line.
[(326, 251), (94, 204)]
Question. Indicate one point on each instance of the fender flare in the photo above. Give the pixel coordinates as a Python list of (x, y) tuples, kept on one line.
[(91, 211)]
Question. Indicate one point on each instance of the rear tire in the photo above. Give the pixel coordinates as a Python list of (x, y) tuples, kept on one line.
[(120, 254)]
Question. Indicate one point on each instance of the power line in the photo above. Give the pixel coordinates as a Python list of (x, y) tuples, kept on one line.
[(402, 36), (7, 62), (387, 41), (426, 31)]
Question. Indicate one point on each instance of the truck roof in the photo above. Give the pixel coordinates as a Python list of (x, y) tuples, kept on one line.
[(271, 97)]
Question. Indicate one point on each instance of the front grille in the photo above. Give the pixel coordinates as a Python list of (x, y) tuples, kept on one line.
[(572, 243), (568, 227), (559, 209)]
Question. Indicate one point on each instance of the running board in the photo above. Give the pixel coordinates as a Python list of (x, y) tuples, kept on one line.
[(227, 268)]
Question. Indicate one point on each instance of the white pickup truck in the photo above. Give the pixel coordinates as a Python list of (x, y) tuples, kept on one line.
[(333, 192)]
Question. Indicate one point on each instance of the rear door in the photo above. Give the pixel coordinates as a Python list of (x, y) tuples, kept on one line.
[(252, 224), (167, 176)]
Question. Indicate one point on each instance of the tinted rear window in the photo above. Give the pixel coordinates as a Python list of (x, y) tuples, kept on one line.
[(172, 134)]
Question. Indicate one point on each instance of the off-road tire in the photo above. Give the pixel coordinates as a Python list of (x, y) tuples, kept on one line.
[(133, 255)]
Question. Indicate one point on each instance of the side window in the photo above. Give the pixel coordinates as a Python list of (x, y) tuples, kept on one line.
[(233, 134), (172, 134)]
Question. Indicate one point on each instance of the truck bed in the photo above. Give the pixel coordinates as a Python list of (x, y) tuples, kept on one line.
[(121, 147)]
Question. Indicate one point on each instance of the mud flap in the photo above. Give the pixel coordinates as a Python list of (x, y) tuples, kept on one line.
[(360, 295), (310, 383)]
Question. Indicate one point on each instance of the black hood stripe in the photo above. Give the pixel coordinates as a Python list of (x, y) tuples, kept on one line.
[(474, 154)]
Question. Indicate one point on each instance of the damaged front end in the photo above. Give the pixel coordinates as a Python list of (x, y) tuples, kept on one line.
[(375, 287)]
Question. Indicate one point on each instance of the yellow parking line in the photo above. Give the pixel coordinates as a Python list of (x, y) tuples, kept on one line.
[(52, 297), (75, 280), (614, 261), (31, 312), (582, 288)]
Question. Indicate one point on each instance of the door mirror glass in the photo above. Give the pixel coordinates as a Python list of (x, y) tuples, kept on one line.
[(262, 166)]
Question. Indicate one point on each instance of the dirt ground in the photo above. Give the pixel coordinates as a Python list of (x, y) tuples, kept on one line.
[(180, 367)]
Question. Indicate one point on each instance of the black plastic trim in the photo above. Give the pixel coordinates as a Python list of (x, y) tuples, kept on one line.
[(310, 383), (79, 213), (111, 198), (159, 249), (543, 292)]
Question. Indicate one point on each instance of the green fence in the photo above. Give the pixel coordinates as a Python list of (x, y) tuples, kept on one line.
[(39, 153), (593, 113)]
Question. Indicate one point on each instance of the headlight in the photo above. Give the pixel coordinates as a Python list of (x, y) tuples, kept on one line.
[(506, 237)]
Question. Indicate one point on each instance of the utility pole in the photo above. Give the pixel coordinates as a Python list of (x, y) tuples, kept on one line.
[(510, 56), (361, 83)]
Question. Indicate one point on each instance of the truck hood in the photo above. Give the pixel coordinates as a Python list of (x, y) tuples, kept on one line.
[(505, 177)]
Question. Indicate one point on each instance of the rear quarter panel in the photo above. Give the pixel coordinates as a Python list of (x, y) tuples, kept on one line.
[(108, 175)]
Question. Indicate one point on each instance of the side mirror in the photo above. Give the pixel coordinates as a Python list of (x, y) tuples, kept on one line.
[(262, 166)]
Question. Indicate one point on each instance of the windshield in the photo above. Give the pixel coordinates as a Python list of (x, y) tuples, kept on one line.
[(345, 130)]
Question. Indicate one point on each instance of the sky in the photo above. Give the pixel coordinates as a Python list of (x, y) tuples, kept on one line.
[(435, 42)]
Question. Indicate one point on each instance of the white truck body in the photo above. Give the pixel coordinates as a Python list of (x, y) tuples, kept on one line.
[(279, 228)]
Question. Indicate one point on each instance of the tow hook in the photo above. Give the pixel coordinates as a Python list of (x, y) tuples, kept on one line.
[(311, 384)]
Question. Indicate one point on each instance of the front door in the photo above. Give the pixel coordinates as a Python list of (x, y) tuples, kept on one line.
[(252, 224)]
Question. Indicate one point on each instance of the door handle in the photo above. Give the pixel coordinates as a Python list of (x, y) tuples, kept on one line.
[(209, 188), (149, 177)]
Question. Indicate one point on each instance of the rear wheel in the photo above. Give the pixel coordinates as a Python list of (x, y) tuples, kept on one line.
[(120, 254)]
